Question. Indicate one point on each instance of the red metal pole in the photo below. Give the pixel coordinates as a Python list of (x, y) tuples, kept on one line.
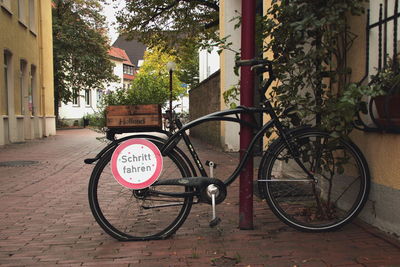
[(247, 99), (170, 101)]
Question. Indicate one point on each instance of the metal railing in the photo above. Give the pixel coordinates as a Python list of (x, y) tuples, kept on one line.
[(384, 122)]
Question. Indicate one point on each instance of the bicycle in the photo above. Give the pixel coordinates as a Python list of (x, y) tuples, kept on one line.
[(311, 181), (168, 119)]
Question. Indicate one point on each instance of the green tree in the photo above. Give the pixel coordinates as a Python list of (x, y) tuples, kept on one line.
[(151, 83), (169, 23), (188, 61), (81, 58), (179, 27)]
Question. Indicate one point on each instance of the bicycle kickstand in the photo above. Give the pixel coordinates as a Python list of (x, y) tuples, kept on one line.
[(213, 191)]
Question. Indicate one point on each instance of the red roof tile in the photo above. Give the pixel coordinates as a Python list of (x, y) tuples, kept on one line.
[(120, 54)]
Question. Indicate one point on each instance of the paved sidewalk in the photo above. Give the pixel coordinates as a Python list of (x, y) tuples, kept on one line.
[(46, 221)]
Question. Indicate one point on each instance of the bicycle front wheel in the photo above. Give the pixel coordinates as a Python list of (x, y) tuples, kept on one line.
[(337, 193), (130, 215)]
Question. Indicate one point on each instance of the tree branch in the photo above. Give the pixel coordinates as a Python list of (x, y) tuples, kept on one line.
[(159, 11), (209, 4)]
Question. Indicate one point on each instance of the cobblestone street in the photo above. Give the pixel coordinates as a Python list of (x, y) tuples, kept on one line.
[(46, 221)]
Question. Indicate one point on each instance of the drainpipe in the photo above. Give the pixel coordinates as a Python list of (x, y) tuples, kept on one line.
[(40, 71), (247, 99)]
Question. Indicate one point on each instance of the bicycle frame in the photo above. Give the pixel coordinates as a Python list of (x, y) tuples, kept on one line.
[(316, 208), (223, 116)]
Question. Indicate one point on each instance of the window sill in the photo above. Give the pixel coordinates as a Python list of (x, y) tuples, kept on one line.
[(20, 116), (6, 9), (23, 24), (33, 32)]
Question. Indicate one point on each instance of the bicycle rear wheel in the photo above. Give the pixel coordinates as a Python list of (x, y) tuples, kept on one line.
[(338, 193), (130, 215)]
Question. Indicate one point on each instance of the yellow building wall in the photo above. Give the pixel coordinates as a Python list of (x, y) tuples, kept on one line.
[(19, 40), (46, 52), (229, 9), (27, 38), (382, 150)]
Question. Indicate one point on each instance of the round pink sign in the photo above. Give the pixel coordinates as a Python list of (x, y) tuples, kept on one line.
[(136, 163)]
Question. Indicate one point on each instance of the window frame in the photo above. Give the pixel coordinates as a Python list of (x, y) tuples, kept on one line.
[(22, 12), (7, 72), (6, 4), (32, 90), (99, 96), (88, 97), (32, 16), (128, 69), (23, 64), (75, 98)]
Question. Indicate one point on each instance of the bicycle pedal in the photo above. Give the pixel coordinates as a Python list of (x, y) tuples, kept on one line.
[(215, 222)]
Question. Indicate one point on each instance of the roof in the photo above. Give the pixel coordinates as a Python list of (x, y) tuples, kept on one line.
[(119, 54), (134, 49)]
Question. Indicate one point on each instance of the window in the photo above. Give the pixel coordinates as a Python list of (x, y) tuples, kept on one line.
[(32, 16), (88, 96), (128, 69), (99, 96), (22, 85), (32, 92), (6, 4), (75, 97), (21, 11), (7, 82)]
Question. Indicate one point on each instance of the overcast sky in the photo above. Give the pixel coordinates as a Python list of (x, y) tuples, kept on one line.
[(110, 10)]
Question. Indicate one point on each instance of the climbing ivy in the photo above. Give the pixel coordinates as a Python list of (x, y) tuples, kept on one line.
[(309, 40)]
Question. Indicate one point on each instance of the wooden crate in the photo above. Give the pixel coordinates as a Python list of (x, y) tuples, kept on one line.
[(139, 116)]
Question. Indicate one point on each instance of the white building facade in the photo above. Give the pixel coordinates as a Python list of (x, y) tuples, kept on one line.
[(208, 63), (89, 101)]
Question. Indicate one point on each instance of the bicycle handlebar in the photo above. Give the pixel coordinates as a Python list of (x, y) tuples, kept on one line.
[(252, 62), (264, 65)]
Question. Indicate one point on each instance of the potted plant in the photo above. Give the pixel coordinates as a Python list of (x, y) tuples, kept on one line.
[(388, 104)]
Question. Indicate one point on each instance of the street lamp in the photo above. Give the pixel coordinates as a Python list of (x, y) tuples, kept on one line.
[(170, 67)]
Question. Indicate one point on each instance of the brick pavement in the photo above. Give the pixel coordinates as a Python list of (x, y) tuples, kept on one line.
[(46, 221)]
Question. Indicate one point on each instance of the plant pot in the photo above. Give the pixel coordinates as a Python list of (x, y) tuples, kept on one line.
[(388, 109)]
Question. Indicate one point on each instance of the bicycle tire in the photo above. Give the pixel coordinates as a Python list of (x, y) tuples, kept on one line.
[(132, 215), (342, 187)]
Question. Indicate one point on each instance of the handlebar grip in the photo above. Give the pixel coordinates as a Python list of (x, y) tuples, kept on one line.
[(252, 62)]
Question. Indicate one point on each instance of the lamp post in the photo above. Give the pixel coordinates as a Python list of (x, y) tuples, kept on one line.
[(170, 67)]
